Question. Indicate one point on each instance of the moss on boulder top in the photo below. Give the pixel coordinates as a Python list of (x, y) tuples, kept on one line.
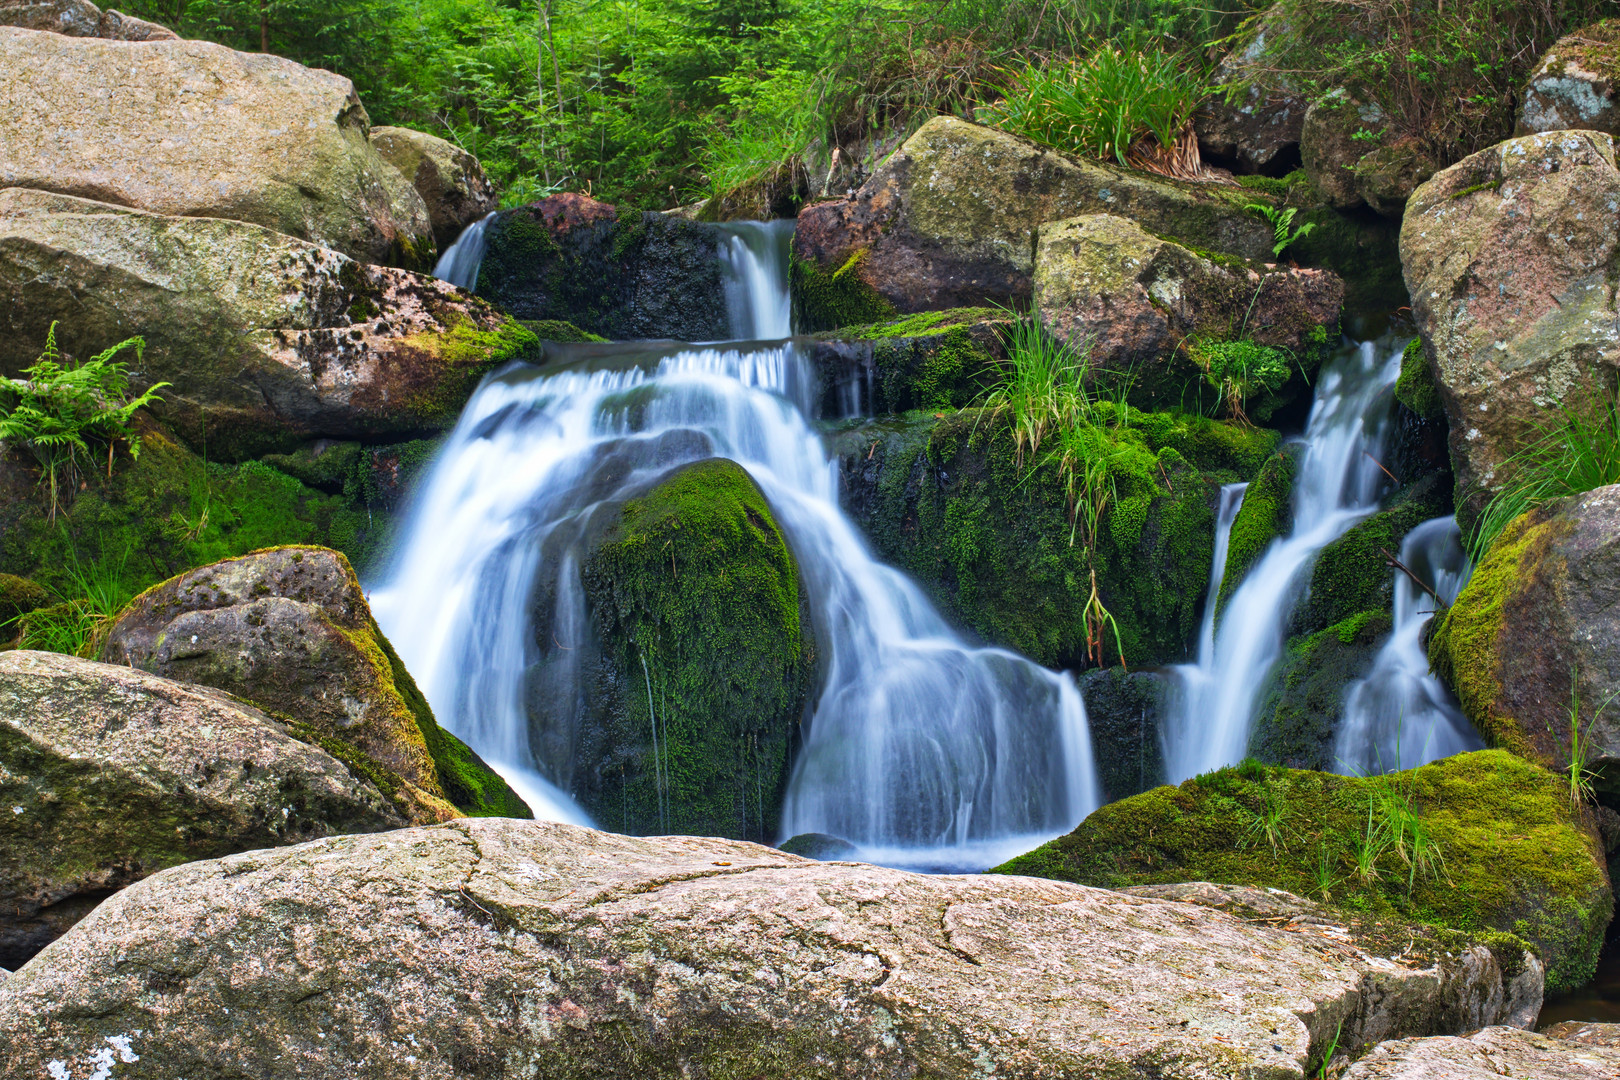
[(289, 630), (946, 499), (1515, 857), (704, 661), (1575, 84), (932, 360), (1303, 700), (1267, 513)]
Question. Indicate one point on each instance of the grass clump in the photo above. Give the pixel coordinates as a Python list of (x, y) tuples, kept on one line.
[(1574, 454), (59, 408), (1482, 843), (1239, 370)]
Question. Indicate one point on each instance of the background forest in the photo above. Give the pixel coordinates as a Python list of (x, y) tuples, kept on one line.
[(654, 103)]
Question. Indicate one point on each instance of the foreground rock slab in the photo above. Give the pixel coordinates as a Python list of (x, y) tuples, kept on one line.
[(108, 775), (499, 948), (266, 340), (198, 130), (1490, 1054)]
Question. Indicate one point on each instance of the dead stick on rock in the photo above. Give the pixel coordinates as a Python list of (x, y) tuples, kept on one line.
[(1403, 568)]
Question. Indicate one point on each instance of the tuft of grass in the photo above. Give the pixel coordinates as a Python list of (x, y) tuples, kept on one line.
[(1268, 822), (78, 623), (1574, 454), (1578, 772), (1238, 370)]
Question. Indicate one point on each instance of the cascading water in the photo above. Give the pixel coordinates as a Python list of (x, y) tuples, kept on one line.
[(1338, 484), (1400, 716), (460, 262), (754, 258), (922, 749)]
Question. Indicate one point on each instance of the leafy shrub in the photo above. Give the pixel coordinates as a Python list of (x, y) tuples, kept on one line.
[(1240, 369), (59, 408)]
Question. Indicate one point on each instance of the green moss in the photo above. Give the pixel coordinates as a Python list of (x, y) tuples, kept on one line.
[(18, 596), (1353, 573), (697, 602), (1516, 860), (464, 354), (559, 330), (1300, 708), (1266, 514), (1279, 187), (923, 324), (1462, 648), (1416, 387), (827, 300)]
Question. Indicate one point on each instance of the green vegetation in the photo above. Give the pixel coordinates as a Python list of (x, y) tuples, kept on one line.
[(1576, 453), (1300, 707), (1282, 223), (930, 360), (1239, 370), (1484, 843), (58, 408), (1266, 514), (827, 301), (1416, 388), (696, 599)]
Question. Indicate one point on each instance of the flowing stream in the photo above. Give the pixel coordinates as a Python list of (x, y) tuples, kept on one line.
[(460, 262), (1338, 483), (922, 749), (1400, 716)]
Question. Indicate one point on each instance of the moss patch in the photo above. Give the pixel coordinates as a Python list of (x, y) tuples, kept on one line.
[(18, 596), (1515, 857), (1416, 388), (1299, 710), (559, 330), (828, 299), (1266, 513), (932, 360), (696, 600)]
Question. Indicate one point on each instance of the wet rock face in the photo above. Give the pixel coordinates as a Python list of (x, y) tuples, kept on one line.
[(519, 948), (1537, 627), (1574, 85), (289, 630), (1137, 299), (266, 340), (1349, 159), (197, 130), (80, 18), (450, 180), (1125, 711), (950, 221), (1510, 257), (623, 276), (1487, 1055), (108, 775)]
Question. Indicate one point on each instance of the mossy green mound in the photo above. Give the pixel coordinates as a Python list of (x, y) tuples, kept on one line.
[(1515, 859), (706, 659), (826, 299), (933, 360), (1300, 708), (559, 330), (1416, 388), (1267, 513), (994, 541), (1353, 574), (18, 596)]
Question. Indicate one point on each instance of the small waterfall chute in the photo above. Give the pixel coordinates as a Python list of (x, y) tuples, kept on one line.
[(1400, 716), (460, 262)]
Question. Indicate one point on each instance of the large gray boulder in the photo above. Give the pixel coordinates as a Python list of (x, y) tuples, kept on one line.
[(450, 180), (503, 949), (266, 340), (195, 129), (1142, 304), (1255, 119), (950, 220), (108, 775), (289, 629), (1509, 258), (1574, 85), (80, 18), (1489, 1054)]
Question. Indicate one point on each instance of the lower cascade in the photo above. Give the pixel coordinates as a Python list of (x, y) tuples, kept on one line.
[(918, 747)]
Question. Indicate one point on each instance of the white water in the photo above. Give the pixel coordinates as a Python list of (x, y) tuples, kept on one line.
[(1337, 484), (922, 750), (1400, 716), (460, 262)]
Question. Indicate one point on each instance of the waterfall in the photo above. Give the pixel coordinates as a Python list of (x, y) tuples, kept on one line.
[(1400, 716), (1338, 483), (460, 261), (922, 748)]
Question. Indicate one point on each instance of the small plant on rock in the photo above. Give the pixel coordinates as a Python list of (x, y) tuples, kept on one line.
[(58, 409), (1268, 822), (1238, 370), (1282, 225), (1579, 773)]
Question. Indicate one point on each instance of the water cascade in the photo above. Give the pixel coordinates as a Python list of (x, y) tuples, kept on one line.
[(460, 261), (1338, 483), (1400, 716), (922, 749)]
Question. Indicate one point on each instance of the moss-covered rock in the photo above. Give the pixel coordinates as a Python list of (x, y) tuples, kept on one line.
[(18, 596), (833, 296), (705, 656), (1353, 160), (993, 541), (266, 341), (1415, 388), (933, 360), (1267, 513), (1299, 710), (1575, 84), (559, 330), (370, 478), (568, 258), (1534, 635), (1515, 858), (1353, 573), (1125, 711), (289, 630)]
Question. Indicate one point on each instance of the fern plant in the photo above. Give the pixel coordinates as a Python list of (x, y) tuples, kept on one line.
[(58, 409), (1282, 225)]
